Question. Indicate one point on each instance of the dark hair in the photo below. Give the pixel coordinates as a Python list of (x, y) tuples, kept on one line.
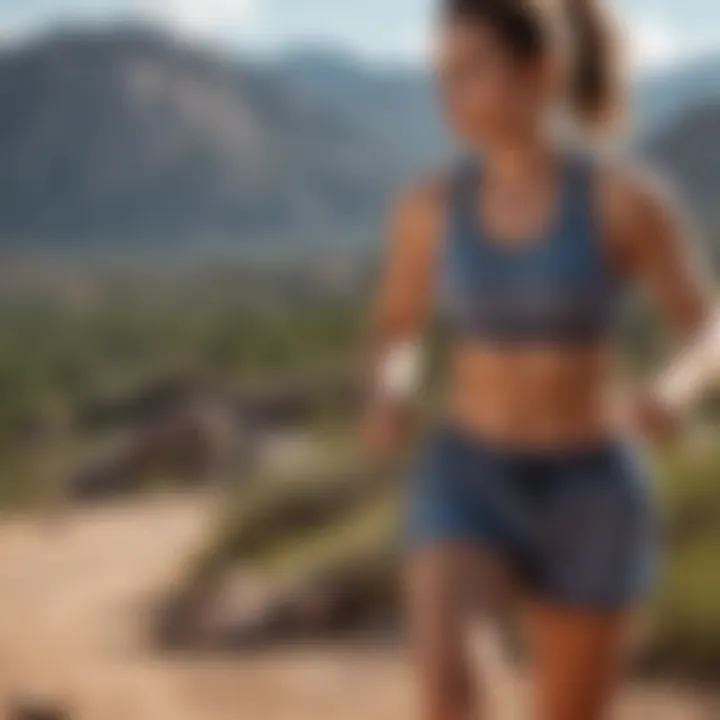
[(527, 28)]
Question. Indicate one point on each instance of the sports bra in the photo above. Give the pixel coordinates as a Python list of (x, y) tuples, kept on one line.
[(560, 289)]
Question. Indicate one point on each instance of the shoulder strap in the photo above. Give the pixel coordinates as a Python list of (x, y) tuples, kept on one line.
[(579, 193), (465, 182), (581, 225)]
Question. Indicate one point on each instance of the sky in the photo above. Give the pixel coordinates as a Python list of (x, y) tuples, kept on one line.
[(662, 32)]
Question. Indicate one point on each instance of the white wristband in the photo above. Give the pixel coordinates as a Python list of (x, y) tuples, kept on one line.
[(400, 372), (696, 368)]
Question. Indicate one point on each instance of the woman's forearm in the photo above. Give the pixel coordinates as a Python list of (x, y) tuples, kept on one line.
[(694, 370)]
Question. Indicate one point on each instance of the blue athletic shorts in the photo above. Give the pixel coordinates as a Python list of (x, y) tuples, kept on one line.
[(578, 526)]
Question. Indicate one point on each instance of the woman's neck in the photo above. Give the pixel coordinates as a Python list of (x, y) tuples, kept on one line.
[(522, 158)]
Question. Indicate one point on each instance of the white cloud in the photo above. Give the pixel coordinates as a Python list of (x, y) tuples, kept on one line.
[(655, 43), (201, 18)]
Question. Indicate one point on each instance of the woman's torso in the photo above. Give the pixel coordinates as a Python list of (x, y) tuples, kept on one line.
[(534, 349)]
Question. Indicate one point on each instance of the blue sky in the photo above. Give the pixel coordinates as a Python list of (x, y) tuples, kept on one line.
[(663, 31)]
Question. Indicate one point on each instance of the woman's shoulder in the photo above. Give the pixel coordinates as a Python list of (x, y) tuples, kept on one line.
[(424, 202), (428, 193), (434, 193), (637, 207), (630, 186)]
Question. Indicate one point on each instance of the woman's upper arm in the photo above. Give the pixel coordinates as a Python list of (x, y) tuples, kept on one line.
[(658, 248), (408, 282)]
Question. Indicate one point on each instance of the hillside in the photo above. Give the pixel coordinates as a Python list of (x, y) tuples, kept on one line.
[(129, 137), (690, 151), (663, 97), (396, 104)]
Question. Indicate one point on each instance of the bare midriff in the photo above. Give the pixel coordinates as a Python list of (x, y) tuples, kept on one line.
[(536, 397)]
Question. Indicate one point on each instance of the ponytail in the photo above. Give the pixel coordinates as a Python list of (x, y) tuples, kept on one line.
[(595, 89)]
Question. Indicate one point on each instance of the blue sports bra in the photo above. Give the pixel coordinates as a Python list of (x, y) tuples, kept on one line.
[(560, 289)]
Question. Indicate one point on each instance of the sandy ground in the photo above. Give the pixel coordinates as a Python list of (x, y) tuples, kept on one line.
[(75, 597)]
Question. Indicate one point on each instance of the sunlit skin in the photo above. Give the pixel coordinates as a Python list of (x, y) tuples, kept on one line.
[(538, 396)]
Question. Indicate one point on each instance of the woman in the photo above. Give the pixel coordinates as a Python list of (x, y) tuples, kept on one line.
[(527, 489)]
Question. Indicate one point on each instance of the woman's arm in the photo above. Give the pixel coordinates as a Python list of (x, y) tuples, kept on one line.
[(659, 251), (662, 254), (400, 313)]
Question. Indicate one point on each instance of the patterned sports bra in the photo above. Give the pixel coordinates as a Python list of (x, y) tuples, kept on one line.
[(559, 290)]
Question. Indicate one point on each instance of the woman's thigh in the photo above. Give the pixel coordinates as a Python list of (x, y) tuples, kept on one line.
[(447, 588), (578, 658)]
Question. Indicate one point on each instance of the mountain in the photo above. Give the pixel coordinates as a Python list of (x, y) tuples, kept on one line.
[(689, 151), (662, 97), (129, 137), (127, 140), (394, 102)]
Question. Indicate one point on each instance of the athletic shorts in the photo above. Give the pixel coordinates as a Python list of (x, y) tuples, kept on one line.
[(578, 527)]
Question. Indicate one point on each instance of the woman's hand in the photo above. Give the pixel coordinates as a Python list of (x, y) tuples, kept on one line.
[(654, 421), (386, 428)]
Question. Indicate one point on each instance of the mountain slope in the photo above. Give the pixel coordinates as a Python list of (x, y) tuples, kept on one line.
[(129, 136), (663, 97), (689, 151), (396, 104)]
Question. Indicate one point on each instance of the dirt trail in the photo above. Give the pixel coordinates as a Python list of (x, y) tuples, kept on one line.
[(74, 602)]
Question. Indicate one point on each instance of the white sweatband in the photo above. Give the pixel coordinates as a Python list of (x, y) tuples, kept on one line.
[(400, 372), (694, 370)]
